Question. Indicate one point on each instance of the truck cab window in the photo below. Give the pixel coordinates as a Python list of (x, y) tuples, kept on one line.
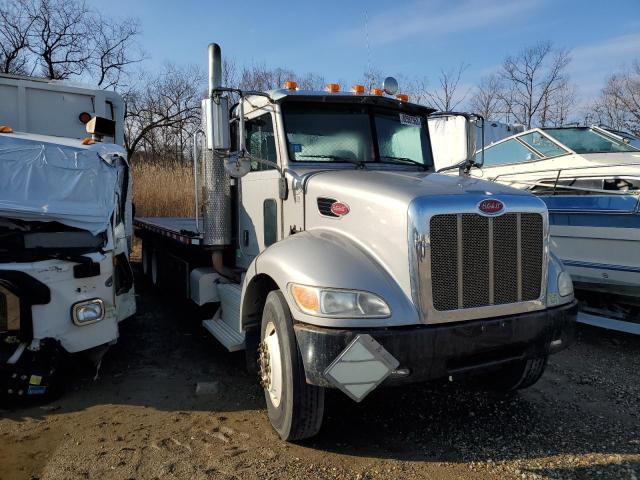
[(402, 136), (261, 141)]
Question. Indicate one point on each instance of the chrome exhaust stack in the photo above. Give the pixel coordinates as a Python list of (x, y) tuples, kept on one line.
[(216, 190)]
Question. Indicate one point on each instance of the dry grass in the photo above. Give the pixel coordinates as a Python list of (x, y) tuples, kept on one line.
[(162, 190)]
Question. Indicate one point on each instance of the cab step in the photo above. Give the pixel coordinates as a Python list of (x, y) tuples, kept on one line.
[(225, 324)]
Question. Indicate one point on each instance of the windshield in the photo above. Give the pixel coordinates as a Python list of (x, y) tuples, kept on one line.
[(355, 133), (586, 140)]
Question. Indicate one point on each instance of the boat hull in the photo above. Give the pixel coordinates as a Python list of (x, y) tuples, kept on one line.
[(600, 247)]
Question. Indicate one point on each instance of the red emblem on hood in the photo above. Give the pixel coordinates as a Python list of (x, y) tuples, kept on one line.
[(491, 206), (339, 208)]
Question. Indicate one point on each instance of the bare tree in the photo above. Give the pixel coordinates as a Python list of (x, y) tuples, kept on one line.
[(372, 78), (556, 106), (619, 103), (65, 38), (113, 48), (161, 111), (446, 97), (15, 25), (311, 81), (60, 37), (261, 77), (532, 80), (487, 98)]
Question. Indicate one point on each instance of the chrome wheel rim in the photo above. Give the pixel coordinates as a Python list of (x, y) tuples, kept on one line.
[(271, 365)]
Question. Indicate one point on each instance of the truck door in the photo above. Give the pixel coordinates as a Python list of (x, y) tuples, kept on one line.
[(259, 208)]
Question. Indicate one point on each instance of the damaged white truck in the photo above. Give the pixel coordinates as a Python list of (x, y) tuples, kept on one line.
[(65, 230), (341, 260)]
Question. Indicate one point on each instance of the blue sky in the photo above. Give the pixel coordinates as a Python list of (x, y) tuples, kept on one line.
[(413, 38)]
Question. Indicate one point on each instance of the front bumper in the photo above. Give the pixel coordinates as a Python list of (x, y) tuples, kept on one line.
[(430, 352)]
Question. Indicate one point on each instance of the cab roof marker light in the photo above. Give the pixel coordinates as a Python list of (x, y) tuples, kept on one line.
[(377, 91), (333, 87), (358, 89), (6, 129), (291, 85), (403, 97)]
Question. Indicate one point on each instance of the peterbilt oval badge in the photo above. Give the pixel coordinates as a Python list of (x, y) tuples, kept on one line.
[(340, 209), (491, 206)]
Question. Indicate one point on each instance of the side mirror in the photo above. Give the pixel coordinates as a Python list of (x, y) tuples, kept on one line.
[(458, 138), (472, 139), (475, 140), (216, 118), (237, 167)]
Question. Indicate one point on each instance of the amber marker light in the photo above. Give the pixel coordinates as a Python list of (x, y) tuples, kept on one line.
[(333, 87), (306, 298)]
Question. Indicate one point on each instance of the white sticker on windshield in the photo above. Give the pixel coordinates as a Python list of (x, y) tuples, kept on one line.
[(410, 120)]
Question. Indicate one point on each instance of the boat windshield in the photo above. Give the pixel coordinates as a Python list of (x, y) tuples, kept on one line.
[(584, 140), (355, 133)]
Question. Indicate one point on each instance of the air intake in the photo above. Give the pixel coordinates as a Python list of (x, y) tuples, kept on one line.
[(324, 206)]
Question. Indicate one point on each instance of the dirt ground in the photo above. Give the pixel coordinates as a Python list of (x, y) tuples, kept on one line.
[(142, 419)]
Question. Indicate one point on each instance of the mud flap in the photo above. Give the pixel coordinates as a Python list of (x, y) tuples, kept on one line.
[(29, 372)]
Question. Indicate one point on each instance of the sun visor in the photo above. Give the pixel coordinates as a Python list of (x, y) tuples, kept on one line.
[(50, 182)]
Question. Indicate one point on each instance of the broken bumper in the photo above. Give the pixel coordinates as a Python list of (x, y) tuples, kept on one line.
[(429, 352)]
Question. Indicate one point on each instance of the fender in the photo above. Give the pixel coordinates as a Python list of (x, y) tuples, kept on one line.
[(325, 258)]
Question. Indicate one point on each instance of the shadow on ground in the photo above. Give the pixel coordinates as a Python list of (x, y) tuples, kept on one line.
[(163, 352)]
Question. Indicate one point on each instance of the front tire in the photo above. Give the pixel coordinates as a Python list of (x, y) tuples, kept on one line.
[(516, 376), (295, 408)]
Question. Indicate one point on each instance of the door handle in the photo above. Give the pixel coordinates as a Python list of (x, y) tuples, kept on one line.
[(245, 237)]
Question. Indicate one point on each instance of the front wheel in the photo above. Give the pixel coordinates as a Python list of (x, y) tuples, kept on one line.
[(295, 408), (516, 376)]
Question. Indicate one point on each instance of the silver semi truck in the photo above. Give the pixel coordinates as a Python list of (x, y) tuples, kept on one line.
[(339, 259), (65, 229)]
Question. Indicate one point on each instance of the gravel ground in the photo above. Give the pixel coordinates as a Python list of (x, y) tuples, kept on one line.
[(141, 418)]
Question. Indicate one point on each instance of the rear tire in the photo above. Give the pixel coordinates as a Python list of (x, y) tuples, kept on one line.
[(146, 260), (516, 376), (154, 272), (295, 408)]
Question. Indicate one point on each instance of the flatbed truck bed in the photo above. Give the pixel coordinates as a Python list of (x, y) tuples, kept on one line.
[(183, 230)]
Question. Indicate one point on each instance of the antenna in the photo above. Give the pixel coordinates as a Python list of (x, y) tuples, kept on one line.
[(366, 36)]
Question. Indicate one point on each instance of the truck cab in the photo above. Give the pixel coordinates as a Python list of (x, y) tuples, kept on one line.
[(65, 230), (341, 260)]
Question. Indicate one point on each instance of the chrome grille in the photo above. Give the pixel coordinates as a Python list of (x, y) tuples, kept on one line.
[(478, 261), (532, 261), (446, 244), (4, 313)]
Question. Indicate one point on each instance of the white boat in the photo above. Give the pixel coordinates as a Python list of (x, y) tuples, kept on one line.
[(589, 177)]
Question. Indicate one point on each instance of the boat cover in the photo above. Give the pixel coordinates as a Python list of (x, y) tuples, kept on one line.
[(50, 182)]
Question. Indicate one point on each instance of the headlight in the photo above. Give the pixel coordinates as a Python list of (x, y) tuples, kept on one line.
[(87, 312), (565, 284), (338, 303)]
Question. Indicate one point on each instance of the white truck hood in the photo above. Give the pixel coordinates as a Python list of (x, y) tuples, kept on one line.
[(43, 181)]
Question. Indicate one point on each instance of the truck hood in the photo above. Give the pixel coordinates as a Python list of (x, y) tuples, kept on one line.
[(54, 182), (404, 186), (380, 202)]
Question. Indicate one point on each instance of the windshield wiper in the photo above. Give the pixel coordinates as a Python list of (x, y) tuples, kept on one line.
[(400, 160), (337, 158)]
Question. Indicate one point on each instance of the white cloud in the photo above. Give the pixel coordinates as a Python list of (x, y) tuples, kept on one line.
[(429, 18), (592, 63)]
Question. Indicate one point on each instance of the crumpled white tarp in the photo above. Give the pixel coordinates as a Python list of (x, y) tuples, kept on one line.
[(50, 182)]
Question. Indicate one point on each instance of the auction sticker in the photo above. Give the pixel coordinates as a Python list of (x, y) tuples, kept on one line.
[(410, 120)]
